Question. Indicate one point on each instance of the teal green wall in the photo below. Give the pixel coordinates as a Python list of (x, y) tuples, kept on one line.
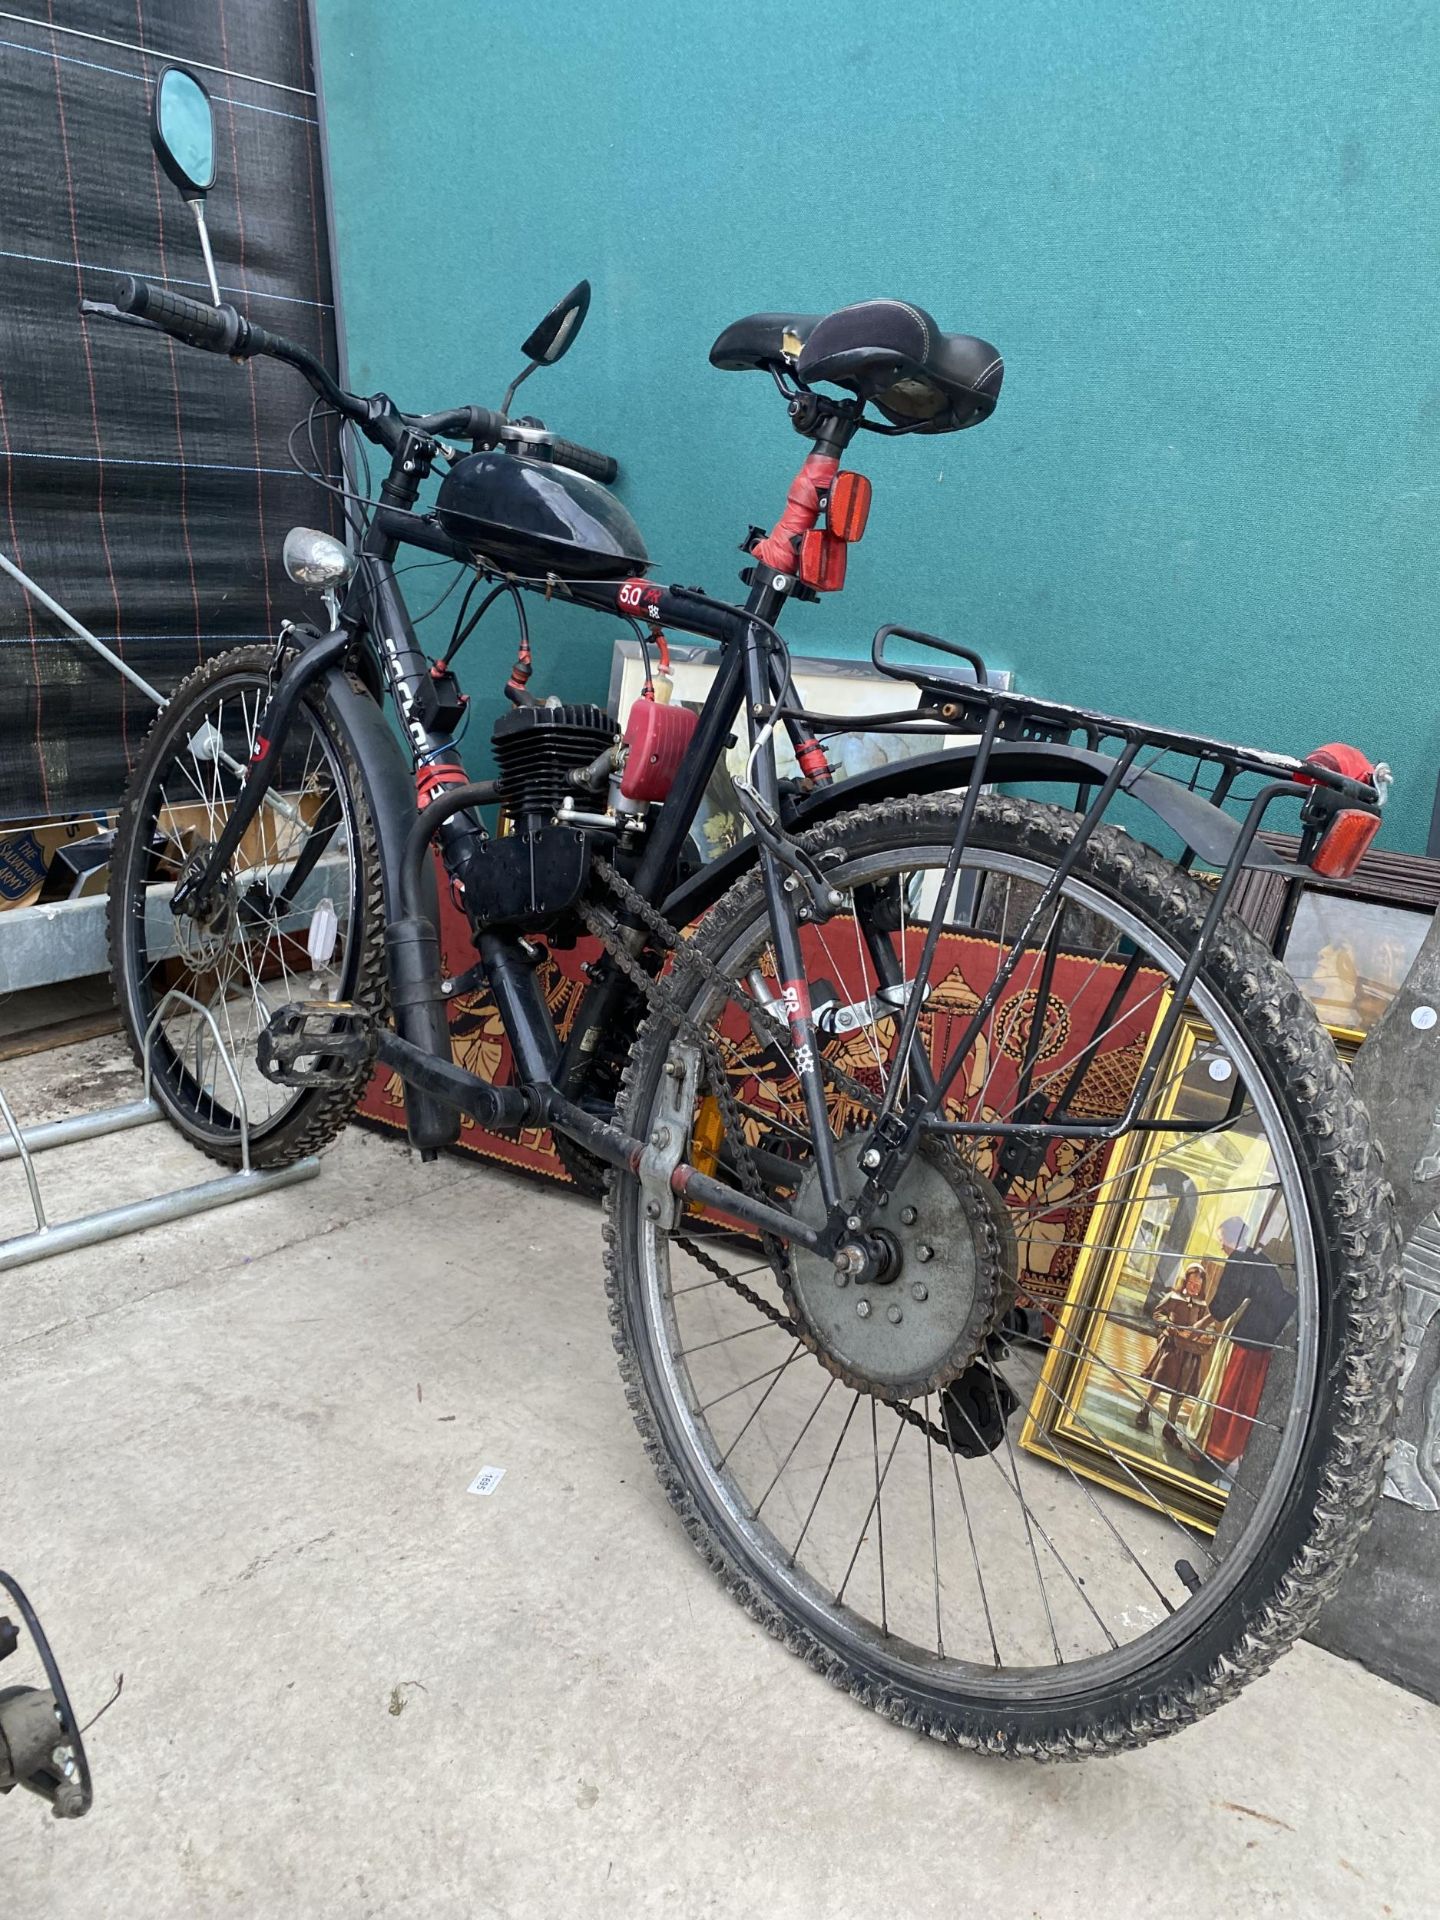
[(1203, 235)]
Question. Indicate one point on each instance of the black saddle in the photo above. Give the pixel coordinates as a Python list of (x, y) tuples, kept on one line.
[(886, 351)]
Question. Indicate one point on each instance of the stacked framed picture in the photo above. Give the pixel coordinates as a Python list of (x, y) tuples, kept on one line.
[(1158, 1357)]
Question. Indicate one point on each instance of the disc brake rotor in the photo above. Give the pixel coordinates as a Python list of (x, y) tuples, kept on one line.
[(954, 1279), (202, 941)]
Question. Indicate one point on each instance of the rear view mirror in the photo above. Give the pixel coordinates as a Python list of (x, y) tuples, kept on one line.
[(182, 131), (552, 338), (556, 332)]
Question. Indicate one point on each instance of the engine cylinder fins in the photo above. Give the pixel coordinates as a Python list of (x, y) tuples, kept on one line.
[(536, 748)]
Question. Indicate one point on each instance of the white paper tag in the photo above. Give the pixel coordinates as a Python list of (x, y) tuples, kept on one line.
[(324, 931), (486, 1480)]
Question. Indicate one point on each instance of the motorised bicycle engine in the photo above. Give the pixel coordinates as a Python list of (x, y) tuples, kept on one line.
[(531, 877), (537, 747)]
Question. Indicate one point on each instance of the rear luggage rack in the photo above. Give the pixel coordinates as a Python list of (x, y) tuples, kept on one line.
[(1213, 795), (1024, 716)]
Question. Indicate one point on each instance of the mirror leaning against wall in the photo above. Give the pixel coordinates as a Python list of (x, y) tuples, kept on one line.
[(182, 132)]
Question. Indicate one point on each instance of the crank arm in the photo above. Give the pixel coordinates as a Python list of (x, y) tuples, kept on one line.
[(501, 1109)]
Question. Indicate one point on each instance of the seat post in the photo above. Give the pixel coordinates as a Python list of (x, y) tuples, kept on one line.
[(831, 424)]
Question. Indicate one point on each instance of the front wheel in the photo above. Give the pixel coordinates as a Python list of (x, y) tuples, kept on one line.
[(298, 918), (1093, 1450)]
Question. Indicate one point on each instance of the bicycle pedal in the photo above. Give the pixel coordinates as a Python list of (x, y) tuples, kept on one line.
[(316, 1043)]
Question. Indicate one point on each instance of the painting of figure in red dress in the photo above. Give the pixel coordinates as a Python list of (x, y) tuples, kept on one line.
[(1182, 1298)]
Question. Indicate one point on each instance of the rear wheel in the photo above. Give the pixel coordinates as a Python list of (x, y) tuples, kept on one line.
[(1109, 1432), (299, 917)]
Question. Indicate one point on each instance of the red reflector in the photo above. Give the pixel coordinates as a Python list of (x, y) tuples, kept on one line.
[(822, 561), (1338, 758), (849, 506), (1344, 843), (657, 737)]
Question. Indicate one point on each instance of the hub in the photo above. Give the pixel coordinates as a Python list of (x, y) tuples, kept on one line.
[(911, 1323), (204, 928)]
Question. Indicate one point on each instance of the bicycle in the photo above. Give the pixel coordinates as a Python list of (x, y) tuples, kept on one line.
[(869, 1095)]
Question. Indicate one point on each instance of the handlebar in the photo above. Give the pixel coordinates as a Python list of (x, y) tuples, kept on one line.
[(479, 424), (597, 466), (224, 330), (217, 329)]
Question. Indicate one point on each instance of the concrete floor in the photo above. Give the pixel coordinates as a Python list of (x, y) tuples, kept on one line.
[(234, 1455)]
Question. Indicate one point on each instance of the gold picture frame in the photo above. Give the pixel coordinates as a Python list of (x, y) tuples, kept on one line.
[(1136, 1331)]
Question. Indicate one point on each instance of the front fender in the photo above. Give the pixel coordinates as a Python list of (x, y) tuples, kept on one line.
[(389, 787), (1206, 830)]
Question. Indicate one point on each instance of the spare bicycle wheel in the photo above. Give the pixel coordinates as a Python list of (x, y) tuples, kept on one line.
[(1095, 1444)]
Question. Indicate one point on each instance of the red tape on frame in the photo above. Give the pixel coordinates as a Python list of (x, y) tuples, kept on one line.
[(802, 512)]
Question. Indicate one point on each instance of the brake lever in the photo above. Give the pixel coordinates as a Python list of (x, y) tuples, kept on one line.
[(106, 310)]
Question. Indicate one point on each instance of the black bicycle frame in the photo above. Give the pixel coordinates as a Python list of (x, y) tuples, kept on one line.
[(375, 628), (374, 635)]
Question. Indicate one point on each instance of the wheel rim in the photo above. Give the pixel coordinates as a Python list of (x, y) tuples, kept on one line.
[(727, 1430), (258, 949)]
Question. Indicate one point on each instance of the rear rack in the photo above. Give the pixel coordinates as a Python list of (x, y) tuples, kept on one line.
[(964, 703), (1104, 753)]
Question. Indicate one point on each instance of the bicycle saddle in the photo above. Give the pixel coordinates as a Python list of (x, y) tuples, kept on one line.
[(885, 351)]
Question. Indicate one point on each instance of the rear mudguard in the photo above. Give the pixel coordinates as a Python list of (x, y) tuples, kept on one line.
[(1206, 830)]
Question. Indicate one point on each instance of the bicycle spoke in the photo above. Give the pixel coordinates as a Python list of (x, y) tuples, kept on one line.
[(1147, 1493), (934, 1531), (758, 1405), (1093, 1353), (825, 1481), (974, 1551), (809, 1418), (874, 1509), (760, 1326)]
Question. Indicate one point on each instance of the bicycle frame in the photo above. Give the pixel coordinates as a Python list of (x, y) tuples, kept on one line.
[(1018, 738)]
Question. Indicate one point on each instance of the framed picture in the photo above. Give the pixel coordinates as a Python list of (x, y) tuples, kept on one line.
[(1350, 943), (1148, 1383), (849, 687)]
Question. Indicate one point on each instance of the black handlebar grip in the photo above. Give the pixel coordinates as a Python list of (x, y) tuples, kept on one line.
[(597, 466), (217, 329), (482, 426)]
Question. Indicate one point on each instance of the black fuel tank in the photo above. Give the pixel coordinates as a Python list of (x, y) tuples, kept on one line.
[(532, 516)]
